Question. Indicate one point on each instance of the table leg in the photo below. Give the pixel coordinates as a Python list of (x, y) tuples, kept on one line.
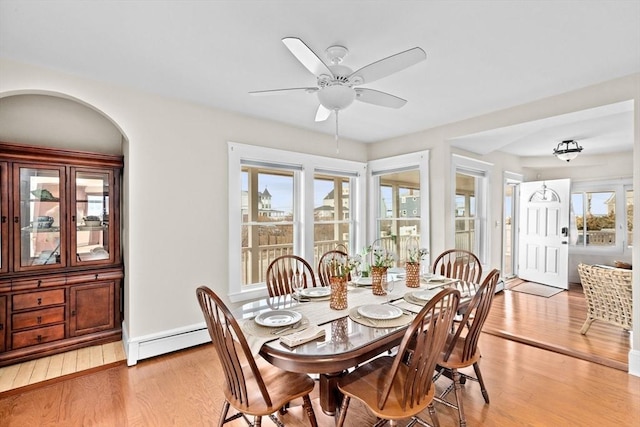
[(330, 396)]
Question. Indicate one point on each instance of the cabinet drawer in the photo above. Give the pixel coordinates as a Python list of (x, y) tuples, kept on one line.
[(92, 277), (42, 317), (38, 299), (37, 336), (19, 285)]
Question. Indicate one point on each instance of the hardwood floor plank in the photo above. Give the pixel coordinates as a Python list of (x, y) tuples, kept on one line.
[(40, 370), (55, 366), (7, 376), (69, 364)]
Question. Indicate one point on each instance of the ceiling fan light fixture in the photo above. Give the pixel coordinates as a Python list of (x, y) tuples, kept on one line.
[(336, 97), (567, 150)]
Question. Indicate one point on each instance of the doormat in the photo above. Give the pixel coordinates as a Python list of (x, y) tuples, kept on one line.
[(536, 289)]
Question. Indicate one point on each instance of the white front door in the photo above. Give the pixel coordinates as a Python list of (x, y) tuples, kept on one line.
[(544, 229)]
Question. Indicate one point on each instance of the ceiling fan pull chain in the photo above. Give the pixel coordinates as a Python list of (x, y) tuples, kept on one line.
[(337, 146)]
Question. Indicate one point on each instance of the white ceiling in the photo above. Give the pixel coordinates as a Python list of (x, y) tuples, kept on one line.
[(482, 56)]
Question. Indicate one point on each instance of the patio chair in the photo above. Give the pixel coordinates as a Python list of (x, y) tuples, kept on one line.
[(462, 349), (252, 385), (400, 387), (607, 291)]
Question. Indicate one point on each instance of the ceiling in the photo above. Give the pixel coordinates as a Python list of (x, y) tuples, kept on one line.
[(482, 56)]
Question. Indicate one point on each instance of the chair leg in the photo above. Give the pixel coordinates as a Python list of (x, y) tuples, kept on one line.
[(343, 411), (309, 410), (483, 389), (257, 421), (223, 416), (434, 415), (458, 390), (586, 326)]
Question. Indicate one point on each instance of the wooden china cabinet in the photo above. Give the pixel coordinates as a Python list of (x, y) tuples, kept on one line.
[(60, 263)]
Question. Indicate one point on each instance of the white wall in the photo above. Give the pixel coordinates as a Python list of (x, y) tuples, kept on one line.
[(176, 190)]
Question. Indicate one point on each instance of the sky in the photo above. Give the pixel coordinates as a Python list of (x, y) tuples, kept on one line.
[(281, 189)]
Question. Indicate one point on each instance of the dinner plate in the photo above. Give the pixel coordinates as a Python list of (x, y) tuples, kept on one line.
[(425, 295), (364, 281), (277, 318), (315, 292), (379, 311), (434, 278)]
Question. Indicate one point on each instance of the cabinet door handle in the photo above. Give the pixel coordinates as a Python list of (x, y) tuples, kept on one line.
[(1, 326), (4, 219), (73, 313), (73, 218), (16, 219)]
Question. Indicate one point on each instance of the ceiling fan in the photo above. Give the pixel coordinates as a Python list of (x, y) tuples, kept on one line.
[(337, 85)]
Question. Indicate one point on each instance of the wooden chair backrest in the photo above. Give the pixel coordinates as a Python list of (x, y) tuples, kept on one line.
[(323, 268), (240, 369), (458, 264), (474, 317), (283, 269), (420, 349)]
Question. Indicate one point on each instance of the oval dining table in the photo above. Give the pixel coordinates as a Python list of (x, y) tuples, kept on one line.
[(346, 342)]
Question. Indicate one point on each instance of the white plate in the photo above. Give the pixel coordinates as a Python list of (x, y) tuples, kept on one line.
[(396, 270), (364, 281), (379, 312), (425, 295), (277, 318), (434, 278), (315, 292)]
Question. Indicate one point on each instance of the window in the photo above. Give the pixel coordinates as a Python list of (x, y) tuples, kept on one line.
[(272, 194), (603, 216), (332, 223), (470, 205), (399, 190)]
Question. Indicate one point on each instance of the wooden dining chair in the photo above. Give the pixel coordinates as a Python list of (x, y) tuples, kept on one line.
[(458, 264), (283, 270), (252, 385), (400, 387), (323, 267), (462, 349)]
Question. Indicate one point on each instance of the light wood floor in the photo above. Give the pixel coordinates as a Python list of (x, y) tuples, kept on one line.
[(28, 374), (527, 385), (554, 323)]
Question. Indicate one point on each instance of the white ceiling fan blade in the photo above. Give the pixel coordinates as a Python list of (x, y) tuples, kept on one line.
[(281, 91), (306, 56), (376, 97), (322, 114), (389, 65)]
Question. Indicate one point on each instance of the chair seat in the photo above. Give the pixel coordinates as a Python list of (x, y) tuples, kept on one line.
[(455, 359), (366, 383), (283, 387)]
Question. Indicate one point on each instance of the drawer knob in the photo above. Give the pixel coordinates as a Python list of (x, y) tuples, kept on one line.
[(39, 338), (39, 283), (39, 319), (39, 301)]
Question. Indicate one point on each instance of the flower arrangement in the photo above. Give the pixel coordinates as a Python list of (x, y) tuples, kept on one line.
[(341, 267), (416, 254), (380, 257)]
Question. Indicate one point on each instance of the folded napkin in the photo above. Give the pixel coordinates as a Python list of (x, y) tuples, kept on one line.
[(301, 337)]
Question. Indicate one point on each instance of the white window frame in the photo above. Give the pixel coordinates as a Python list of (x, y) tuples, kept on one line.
[(620, 187), (418, 160), (478, 168), (307, 166)]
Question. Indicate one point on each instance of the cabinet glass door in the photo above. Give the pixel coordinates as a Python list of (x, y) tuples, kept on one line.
[(93, 241), (4, 221), (39, 218)]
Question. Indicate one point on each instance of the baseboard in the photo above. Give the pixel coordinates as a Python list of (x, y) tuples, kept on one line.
[(163, 342), (634, 362)]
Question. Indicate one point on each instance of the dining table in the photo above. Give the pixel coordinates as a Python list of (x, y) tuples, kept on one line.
[(301, 333)]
